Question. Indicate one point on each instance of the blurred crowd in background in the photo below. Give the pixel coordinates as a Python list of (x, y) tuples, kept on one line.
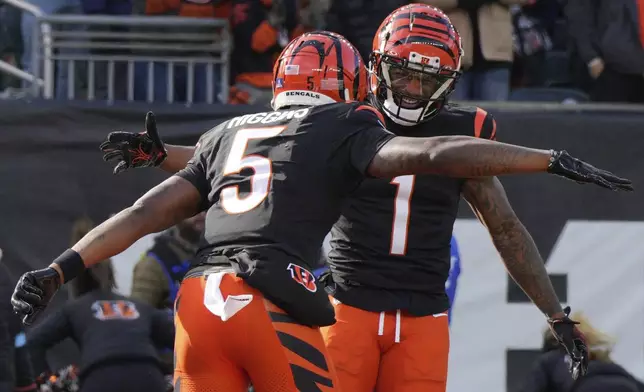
[(591, 48)]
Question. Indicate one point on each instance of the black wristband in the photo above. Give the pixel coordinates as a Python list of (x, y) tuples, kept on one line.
[(71, 264)]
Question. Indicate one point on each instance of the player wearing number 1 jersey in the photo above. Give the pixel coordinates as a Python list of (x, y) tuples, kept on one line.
[(390, 250)]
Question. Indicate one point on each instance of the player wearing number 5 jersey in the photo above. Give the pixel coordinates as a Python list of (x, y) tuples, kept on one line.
[(274, 184)]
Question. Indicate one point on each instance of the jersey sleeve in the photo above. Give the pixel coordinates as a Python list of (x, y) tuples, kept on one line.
[(484, 125), (196, 171), (368, 137)]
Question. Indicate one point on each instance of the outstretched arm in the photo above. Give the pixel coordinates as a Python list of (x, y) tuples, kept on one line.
[(177, 158), (455, 156), (163, 206), (518, 251), (466, 157)]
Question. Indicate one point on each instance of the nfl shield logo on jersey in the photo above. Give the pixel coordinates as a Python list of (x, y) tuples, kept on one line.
[(303, 276)]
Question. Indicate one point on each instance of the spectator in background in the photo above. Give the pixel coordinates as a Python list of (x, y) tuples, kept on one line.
[(608, 38), (548, 13), (586, 62), (261, 29), (185, 8), (158, 273), (108, 7), (10, 42), (313, 14), (116, 335), (29, 24), (551, 374), (531, 44), (486, 30), (358, 20)]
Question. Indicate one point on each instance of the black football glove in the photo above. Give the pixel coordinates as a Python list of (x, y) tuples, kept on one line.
[(573, 341), (33, 292), (565, 165), (133, 150)]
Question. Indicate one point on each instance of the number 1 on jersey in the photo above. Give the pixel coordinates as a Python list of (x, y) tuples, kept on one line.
[(402, 205), (260, 181)]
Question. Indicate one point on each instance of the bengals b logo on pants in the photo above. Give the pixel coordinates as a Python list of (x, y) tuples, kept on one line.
[(260, 343), (303, 276)]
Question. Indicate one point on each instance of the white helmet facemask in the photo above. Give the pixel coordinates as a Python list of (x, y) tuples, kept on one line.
[(413, 87)]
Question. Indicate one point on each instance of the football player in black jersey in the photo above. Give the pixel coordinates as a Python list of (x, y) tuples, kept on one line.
[(390, 250), (273, 185)]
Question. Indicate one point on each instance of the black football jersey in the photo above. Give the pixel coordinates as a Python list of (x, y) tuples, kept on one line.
[(273, 184), (390, 249)]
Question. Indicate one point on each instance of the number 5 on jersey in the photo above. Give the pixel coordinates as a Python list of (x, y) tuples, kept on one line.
[(402, 206), (260, 181)]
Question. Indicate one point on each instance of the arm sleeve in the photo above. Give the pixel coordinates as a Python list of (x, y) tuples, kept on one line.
[(369, 137), (162, 329)]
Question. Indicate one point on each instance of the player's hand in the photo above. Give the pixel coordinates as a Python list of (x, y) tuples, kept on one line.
[(565, 165), (133, 150), (33, 292), (596, 67), (573, 341)]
